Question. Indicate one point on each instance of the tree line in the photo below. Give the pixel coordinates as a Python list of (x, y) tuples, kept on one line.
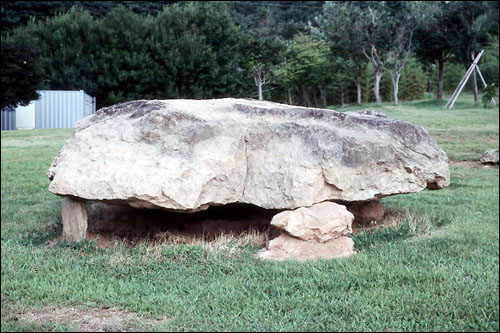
[(312, 53)]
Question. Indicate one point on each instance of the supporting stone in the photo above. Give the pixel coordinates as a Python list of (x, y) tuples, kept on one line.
[(310, 233), (74, 220), (286, 247)]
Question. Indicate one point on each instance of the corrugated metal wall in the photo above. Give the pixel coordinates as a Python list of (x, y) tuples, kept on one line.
[(62, 108), (8, 121)]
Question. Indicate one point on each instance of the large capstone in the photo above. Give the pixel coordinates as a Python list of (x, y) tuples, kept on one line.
[(186, 155)]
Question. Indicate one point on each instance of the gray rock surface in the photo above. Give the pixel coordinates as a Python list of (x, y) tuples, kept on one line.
[(185, 155), (490, 156)]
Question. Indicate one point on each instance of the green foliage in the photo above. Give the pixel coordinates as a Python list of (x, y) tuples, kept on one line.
[(68, 46), (471, 22), (20, 71), (489, 93), (18, 13), (126, 50), (413, 81), (305, 68), (490, 60), (289, 18), (453, 73), (186, 51), (432, 39)]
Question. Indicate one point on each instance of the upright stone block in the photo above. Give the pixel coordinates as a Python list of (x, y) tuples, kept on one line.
[(74, 219)]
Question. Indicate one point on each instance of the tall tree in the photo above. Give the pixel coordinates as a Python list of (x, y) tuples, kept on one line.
[(377, 41), (471, 23), (20, 71), (262, 49), (18, 13), (341, 25), (305, 67), (401, 18), (433, 41)]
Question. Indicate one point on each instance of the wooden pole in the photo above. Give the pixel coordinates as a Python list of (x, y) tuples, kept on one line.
[(462, 83), (484, 83)]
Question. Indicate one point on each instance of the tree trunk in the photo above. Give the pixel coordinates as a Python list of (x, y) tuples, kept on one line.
[(315, 99), (257, 76), (290, 96), (395, 85), (305, 98), (376, 85), (323, 96), (474, 82), (474, 88), (358, 88), (439, 94)]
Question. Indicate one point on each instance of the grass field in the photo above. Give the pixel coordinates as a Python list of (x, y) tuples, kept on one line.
[(437, 271)]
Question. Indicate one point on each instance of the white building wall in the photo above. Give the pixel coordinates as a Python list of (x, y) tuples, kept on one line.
[(25, 116)]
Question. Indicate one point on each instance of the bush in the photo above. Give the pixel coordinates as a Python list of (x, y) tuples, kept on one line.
[(489, 92)]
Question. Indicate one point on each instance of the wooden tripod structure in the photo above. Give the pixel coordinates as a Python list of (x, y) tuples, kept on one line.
[(462, 82)]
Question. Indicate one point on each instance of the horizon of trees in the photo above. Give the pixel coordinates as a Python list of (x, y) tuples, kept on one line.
[(309, 53)]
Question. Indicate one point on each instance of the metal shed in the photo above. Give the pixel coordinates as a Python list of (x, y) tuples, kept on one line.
[(54, 109), (8, 119)]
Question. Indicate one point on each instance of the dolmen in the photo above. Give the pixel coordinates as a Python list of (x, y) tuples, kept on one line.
[(323, 169)]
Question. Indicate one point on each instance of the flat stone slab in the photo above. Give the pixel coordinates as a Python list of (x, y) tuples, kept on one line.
[(286, 247), (186, 155)]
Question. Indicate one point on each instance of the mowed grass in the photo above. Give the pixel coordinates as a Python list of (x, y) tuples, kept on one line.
[(438, 271)]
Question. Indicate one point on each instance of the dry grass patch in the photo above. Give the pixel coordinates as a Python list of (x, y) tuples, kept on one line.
[(87, 319)]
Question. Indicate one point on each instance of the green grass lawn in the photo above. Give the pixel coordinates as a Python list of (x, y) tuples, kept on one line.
[(438, 271)]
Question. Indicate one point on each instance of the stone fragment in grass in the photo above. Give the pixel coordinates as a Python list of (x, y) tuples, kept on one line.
[(74, 220), (489, 157), (366, 211)]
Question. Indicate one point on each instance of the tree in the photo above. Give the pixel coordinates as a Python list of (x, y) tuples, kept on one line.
[(198, 43), (376, 41), (289, 17), (124, 63), (340, 24), (68, 47), (471, 22), (20, 71), (433, 39), (401, 20), (262, 49), (18, 13), (305, 67)]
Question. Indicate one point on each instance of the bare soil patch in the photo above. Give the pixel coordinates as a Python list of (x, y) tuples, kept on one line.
[(473, 164), (221, 228), (87, 319), (391, 219), (111, 223)]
